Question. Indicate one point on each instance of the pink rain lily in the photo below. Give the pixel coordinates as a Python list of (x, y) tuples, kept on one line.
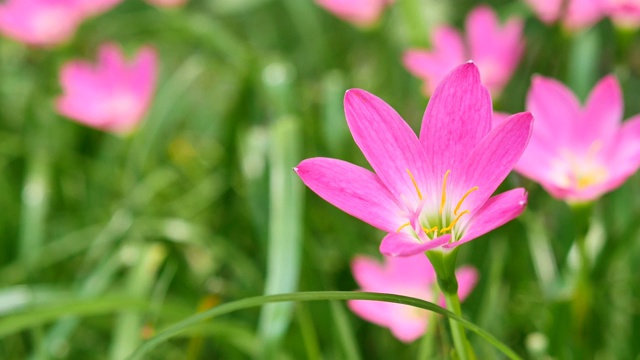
[(494, 48), (40, 22), (359, 12), (409, 276), (47, 22), (624, 13), (579, 153), (577, 14), (433, 191), (111, 95)]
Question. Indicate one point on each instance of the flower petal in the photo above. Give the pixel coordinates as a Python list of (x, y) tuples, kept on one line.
[(377, 312), (496, 212), (143, 72), (411, 271), (602, 114), (409, 329), (622, 159), (433, 65), (401, 244), (369, 273), (457, 118), (537, 161), (582, 13), (467, 277), (111, 60), (496, 49), (352, 189), (549, 100), (388, 143), (396, 275), (493, 159)]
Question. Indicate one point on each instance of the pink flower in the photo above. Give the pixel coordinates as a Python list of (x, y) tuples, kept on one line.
[(495, 49), (47, 22), (112, 95), (625, 13), (579, 153), (40, 22), (433, 191), (409, 276), (578, 14), (167, 3), (359, 12)]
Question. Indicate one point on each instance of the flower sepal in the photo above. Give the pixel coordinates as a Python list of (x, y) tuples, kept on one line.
[(444, 264)]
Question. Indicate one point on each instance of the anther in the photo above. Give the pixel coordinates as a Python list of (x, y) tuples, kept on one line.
[(453, 223), (415, 184), (403, 226), (444, 191), (455, 211), (427, 231)]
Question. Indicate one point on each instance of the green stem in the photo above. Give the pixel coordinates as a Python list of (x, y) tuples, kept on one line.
[(427, 343), (463, 349), (314, 296), (582, 293), (444, 264)]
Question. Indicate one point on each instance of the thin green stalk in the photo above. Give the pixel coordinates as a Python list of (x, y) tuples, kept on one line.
[(308, 332), (444, 264), (541, 251), (427, 343), (584, 49), (463, 349), (344, 332), (35, 205), (313, 296), (582, 293)]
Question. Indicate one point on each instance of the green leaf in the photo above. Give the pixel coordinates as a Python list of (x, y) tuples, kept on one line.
[(313, 296)]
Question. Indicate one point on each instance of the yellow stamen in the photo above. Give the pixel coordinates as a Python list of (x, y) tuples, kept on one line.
[(455, 211), (415, 184), (453, 223), (427, 231), (403, 226), (444, 191)]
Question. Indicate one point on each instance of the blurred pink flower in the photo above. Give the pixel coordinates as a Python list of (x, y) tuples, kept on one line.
[(359, 12), (433, 191), (578, 14), (40, 22), (112, 95), (47, 22), (624, 13), (494, 48), (579, 153), (409, 276), (167, 3)]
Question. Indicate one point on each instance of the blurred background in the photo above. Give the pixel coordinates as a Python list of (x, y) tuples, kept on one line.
[(107, 238)]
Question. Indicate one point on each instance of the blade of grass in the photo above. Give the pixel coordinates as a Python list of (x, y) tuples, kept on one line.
[(256, 301), (43, 314), (308, 332), (344, 332), (127, 332), (285, 209)]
